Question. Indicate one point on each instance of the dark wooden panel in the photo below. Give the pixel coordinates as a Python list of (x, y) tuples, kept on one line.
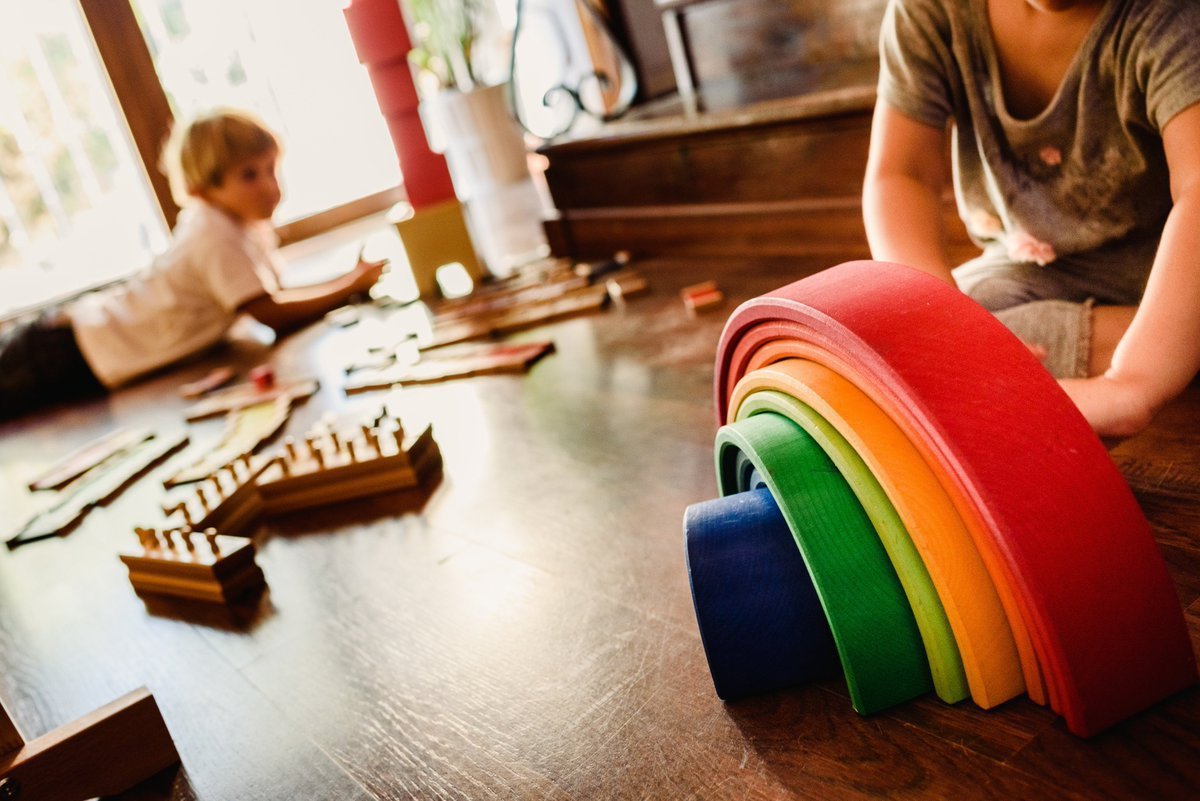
[(829, 229), (743, 51), (644, 32), (820, 158)]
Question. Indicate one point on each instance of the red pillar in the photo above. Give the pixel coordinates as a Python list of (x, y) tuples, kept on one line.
[(382, 43)]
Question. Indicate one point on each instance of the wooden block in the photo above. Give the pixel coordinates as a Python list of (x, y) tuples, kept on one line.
[(625, 285), (216, 568), (701, 288), (703, 301), (100, 754), (339, 477)]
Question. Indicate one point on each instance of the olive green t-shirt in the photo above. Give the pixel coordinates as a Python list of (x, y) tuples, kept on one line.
[(1086, 180)]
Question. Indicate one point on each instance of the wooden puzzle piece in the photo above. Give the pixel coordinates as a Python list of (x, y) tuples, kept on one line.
[(100, 754), (95, 488), (245, 430), (588, 298), (703, 296), (218, 377), (331, 466), (199, 565), (241, 395), (226, 499), (626, 284), (444, 365), (78, 462)]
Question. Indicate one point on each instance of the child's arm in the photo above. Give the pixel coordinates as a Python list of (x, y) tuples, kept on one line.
[(287, 309), (902, 193), (1160, 353)]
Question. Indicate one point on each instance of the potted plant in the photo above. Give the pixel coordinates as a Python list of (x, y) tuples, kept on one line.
[(467, 119)]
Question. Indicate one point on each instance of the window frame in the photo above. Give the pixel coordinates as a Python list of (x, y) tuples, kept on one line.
[(143, 103)]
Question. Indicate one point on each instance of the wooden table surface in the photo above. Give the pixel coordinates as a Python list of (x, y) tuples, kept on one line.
[(525, 629)]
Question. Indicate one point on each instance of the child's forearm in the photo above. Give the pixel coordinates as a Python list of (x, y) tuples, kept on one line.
[(902, 189), (287, 309), (1160, 353), (903, 217)]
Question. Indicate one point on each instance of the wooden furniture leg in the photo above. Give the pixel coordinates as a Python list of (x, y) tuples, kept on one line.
[(103, 753)]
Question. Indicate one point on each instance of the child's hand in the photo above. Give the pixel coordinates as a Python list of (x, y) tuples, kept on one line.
[(1114, 408), (367, 273)]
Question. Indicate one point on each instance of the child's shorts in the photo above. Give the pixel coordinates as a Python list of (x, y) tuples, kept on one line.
[(1049, 306), (40, 363)]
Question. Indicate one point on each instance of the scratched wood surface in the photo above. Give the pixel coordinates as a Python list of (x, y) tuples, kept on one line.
[(525, 631)]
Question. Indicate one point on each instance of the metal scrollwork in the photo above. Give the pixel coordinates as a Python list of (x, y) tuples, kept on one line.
[(594, 92)]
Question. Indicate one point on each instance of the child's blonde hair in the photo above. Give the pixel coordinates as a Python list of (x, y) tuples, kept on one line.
[(198, 154)]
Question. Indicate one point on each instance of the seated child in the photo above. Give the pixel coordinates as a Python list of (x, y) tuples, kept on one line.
[(1076, 148), (222, 261)]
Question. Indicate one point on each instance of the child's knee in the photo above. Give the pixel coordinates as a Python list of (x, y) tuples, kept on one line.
[(999, 292), (1063, 329)]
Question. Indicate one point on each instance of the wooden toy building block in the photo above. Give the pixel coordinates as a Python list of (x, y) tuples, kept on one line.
[(227, 500), (188, 564), (703, 296), (329, 466), (434, 237), (100, 754)]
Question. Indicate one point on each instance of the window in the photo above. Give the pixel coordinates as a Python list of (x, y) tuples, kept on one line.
[(294, 65), (75, 209)]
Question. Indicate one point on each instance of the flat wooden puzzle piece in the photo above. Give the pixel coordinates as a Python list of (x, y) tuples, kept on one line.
[(245, 430), (78, 462), (445, 365), (214, 379), (241, 395), (586, 299), (95, 488)]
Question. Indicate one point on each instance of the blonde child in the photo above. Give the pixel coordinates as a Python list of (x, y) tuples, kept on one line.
[(1076, 146), (222, 261)]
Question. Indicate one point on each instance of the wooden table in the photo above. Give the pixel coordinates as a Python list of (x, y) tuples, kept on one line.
[(526, 630)]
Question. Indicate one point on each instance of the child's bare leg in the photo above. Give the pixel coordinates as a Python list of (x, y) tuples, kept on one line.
[(1109, 324)]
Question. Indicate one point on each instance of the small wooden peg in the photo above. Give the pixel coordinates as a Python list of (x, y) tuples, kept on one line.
[(203, 498), (210, 534), (289, 446), (186, 536), (369, 438)]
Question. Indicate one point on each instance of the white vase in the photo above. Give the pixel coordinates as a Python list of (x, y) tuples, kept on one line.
[(476, 133)]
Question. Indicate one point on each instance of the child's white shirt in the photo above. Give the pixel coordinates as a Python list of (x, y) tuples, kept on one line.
[(182, 303)]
